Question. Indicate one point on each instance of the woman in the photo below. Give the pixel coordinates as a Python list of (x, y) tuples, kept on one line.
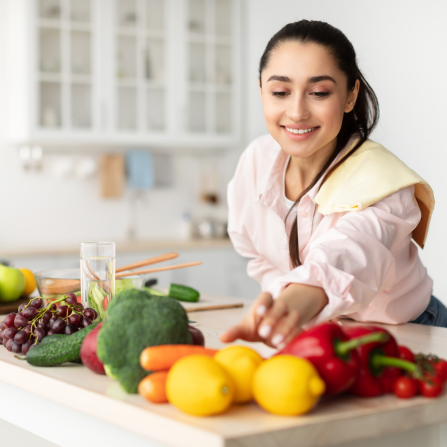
[(326, 214)]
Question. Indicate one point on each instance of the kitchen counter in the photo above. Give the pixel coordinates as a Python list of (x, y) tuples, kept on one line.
[(69, 405)]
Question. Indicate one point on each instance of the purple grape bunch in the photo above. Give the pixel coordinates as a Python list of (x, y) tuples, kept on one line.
[(22, 330)]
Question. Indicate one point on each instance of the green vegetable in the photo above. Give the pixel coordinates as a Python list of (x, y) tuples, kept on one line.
[(96, 297), (135, 321), (123, 284), (183, 293), (153, 291), (52, 338), (57, 349), (57, 337)]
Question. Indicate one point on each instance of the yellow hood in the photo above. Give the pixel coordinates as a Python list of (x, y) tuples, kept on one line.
[(369, 175)]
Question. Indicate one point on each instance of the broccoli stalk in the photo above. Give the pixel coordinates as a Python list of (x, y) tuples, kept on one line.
[(135, 321)]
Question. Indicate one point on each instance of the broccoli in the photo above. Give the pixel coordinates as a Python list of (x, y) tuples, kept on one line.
[(135, 321)]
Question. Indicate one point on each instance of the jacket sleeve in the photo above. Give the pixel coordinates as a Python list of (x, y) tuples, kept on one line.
[(355, 259), (241, 195)]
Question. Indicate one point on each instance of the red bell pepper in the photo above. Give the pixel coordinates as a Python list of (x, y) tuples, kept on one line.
[(379, 363), (332, 353)]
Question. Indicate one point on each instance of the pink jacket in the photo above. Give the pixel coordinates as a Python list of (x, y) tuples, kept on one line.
[(364, 260)]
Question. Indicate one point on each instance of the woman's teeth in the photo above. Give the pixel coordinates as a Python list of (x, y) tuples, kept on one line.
[(300, 131)]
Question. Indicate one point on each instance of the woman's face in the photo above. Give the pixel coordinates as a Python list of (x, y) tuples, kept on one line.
[(304, 96)]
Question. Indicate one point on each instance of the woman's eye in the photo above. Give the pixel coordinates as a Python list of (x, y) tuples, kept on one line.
[(280, 94), (320, 94)]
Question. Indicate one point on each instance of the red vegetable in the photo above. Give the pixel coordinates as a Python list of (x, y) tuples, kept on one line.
[(332, 353), (405, 387), (406, 354), (434, 374), (88, 352), (379, 362), (441, 369), (431, 386)]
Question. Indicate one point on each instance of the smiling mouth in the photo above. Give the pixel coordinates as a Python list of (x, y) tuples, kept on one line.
[(300, 131)]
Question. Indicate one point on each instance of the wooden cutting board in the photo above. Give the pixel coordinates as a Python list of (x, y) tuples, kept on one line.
[(7, 308), (211, 303), (112, 175)]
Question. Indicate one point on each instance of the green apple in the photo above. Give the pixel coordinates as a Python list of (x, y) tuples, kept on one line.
[(12, 283)]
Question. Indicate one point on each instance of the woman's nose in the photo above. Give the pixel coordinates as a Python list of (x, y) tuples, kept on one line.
[(297, 109)]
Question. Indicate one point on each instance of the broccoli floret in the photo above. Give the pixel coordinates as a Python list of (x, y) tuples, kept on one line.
[(127, 295), (136, 321)]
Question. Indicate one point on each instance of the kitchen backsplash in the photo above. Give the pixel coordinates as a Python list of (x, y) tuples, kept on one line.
[(39, 209)]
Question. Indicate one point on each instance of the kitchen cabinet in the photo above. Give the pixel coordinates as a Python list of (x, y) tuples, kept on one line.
[(117, 73)]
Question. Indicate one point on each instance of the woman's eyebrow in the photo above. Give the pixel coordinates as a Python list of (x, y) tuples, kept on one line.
[(279, 78), (314, 79), (311, 80)]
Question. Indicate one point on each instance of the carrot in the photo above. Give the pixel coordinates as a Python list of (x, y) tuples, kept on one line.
[(162, 357), (153, 387)]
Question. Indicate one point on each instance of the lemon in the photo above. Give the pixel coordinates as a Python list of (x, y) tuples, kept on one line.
[(240, 362), (30, 285), (198, 385), (287, 385)]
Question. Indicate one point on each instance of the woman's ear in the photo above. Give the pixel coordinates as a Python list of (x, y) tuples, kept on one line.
[(352, 97), (260, 88)]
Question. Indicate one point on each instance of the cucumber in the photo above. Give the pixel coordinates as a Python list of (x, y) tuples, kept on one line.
[(56, 337), (58, 349), (183, 293), (154, 292), (53, 338)]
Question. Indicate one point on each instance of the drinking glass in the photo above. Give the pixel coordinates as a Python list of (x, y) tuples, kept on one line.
[(97, 276)]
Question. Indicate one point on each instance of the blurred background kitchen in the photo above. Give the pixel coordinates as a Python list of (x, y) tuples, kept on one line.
[(123, 120)]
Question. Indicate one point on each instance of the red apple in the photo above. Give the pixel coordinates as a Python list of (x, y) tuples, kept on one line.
[(88, 352)]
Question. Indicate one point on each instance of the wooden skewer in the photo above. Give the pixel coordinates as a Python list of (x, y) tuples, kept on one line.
[(149, 261), (73, 285), (89, 276), (160, 269), (103, 284)]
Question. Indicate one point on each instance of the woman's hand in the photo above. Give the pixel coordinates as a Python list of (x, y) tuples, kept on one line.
[(276, 322), (268, 320)]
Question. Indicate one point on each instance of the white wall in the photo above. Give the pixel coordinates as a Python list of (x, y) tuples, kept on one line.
[(402, 50)]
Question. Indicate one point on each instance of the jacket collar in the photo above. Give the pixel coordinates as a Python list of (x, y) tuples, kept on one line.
[(271, 193)]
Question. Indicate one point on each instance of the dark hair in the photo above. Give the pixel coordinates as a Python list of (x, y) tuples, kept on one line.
[(360, 121)]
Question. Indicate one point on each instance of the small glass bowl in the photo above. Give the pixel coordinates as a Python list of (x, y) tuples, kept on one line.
[(54, 284)]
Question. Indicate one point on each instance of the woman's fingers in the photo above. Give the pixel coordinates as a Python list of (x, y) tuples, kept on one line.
[(262, 304), (287, 328), (233, 333), (276, 312), (247, 329)]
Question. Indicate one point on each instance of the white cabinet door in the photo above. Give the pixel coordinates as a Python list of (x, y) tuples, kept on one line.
[(152, 73), (66, 81)]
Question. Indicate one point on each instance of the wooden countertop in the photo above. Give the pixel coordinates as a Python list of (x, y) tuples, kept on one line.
[(333, 421), (123, 246)]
